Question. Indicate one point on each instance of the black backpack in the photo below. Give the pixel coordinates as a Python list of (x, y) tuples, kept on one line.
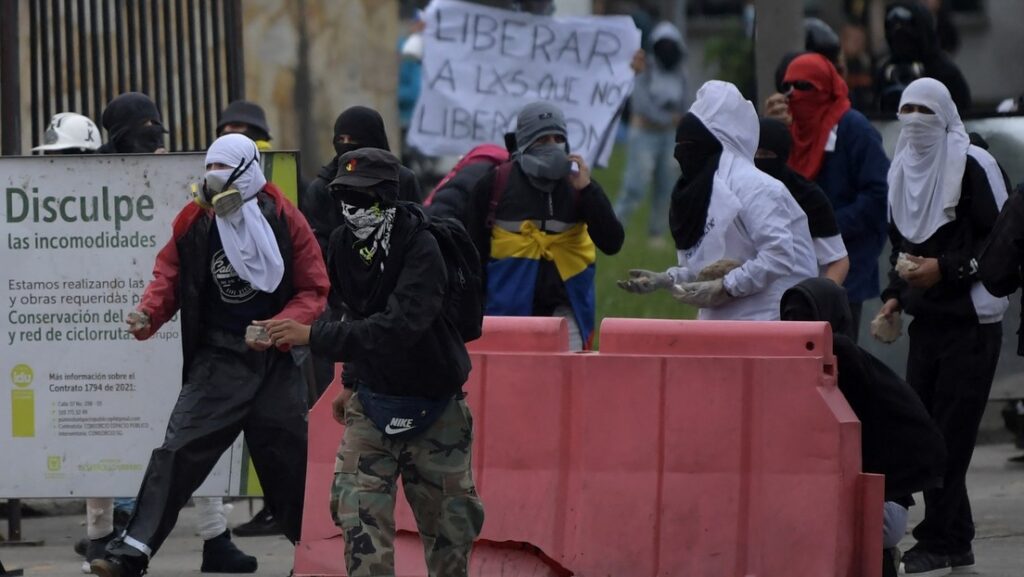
[(463, 299)]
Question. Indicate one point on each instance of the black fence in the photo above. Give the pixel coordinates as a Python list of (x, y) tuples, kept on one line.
[(185, 54)]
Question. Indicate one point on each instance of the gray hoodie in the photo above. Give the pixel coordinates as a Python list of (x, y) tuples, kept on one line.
[(662, 95)]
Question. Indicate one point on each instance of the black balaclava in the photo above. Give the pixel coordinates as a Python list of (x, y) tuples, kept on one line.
[(124, 119), (775, 137), (910, 32), (697, 152), (364, 125), (818, 299)]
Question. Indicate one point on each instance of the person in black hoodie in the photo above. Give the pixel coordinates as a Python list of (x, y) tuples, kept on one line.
[(405, 364), (944, 197), (914, 53), (132, 121), (356, 127), (898, 437), (771, 158)]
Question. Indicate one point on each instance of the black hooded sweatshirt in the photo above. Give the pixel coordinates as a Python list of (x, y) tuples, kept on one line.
[(914, 52), (395, 339), (821, 219), (898, 437), (366, 127), (125, 119)]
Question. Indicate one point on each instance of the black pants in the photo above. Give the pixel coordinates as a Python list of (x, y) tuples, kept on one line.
[(951, 368), (229, 389), (856, 310)]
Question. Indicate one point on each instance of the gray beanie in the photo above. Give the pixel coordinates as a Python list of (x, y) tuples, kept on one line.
[(536, 120)]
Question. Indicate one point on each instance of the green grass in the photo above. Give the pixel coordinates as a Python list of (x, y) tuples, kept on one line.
[(635, 253)]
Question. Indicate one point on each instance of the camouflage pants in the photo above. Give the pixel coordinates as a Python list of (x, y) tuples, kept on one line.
[(438, 482)]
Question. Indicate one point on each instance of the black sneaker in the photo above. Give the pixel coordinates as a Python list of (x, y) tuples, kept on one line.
[(220, 555), (925, 564), (262, 523), (119, 566), (81, 546), (962, 563)]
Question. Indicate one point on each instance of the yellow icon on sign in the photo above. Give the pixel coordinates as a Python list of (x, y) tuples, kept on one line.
[(22, 375), (53, 463)]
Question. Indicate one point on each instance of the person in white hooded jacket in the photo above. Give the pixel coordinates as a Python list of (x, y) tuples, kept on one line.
[(741, 238), (944, 197)]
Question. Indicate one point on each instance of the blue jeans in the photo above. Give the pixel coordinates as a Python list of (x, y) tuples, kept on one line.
[(650, 153)]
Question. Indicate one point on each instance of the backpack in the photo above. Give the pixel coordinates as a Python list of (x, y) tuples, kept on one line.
[(463, 298)]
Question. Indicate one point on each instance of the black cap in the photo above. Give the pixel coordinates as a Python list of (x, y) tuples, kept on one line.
[(244, 112), (366, 167)]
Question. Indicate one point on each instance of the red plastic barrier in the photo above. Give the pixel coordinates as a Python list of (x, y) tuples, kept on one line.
[(682, 448)]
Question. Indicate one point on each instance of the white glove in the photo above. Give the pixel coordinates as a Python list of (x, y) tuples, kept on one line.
[(644, 281), (702, 294), (887, 328)]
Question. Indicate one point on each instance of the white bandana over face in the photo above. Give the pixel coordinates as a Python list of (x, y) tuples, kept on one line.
[(249, 242), (928, 166)]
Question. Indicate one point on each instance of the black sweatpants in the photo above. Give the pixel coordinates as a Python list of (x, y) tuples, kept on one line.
[(951, 368), (229, 389)]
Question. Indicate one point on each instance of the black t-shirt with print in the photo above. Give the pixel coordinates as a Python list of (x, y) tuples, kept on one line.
[(231, 303)]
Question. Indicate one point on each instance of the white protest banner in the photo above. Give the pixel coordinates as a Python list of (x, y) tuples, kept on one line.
[(83, 402), (482, 65)]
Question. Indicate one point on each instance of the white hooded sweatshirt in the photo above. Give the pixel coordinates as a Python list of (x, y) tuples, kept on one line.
[(752, 218)]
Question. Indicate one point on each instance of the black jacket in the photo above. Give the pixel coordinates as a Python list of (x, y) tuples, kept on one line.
[(898, 437), (521, 201), (956, 245), (319, 207), (400, 344)]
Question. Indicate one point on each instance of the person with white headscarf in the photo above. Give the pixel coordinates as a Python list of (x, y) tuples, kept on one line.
[(741, 238), (944, 197), (240, 253)]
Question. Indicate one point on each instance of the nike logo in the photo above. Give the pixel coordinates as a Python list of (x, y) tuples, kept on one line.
[(397, 426)]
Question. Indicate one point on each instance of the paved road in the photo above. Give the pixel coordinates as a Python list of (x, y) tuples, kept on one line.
[(996, 486)]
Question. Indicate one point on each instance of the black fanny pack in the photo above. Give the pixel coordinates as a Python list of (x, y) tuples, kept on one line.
[(401, 417)]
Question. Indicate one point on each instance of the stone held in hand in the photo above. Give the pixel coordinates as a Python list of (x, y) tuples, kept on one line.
[(887, 329), (257, 334), (137, 320), (718, 269), (905, 265)]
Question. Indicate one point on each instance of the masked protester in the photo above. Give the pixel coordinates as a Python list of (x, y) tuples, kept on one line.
[(357, 127), (838, 149), (898, 437), (388, 283), (239, 254), (537, 222), (944, 197), (660, 98), (740, 237), (771, 158), (248, 118), (914, 53), (132, 121)]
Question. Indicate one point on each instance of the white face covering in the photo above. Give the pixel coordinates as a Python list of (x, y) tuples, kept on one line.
[(373, 226), (249, 242), (928, 166)]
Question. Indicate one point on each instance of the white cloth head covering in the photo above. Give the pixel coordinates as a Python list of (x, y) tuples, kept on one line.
[(927, 168), (248, 240), (733, 121)]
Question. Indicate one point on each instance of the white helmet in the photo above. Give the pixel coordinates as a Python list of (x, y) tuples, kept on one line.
[(70, 130)]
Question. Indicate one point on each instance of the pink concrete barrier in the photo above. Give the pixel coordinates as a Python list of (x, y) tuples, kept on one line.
[(682, 448)]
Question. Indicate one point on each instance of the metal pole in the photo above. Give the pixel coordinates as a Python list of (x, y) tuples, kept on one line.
[(778, 30), (10, 88)]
